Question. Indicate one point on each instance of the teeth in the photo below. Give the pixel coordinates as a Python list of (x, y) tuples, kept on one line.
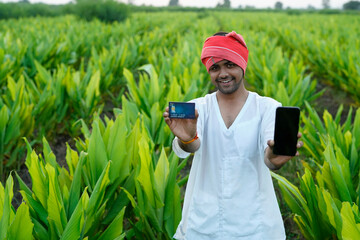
[(226, 81)]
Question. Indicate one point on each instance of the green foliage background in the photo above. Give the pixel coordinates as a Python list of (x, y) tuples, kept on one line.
[(104, 85)]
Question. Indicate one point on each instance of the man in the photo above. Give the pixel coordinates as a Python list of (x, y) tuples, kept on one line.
[(229, 194)]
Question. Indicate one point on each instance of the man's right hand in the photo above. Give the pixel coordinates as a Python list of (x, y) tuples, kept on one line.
[(184, 129)]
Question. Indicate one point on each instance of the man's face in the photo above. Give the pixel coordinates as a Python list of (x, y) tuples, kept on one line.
[(226, 76)]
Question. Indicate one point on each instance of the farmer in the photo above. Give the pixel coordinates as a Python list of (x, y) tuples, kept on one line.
[(229, 194)]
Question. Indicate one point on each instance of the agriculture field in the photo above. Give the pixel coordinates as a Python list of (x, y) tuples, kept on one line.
[(81, 126)]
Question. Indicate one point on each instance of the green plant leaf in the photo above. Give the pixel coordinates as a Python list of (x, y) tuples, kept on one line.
[(93, 90), (7, 212), (75, 226), (39, 181), (96, 153), (97, 196), (21, 221), (146, 175), (74, 193), (337, 174), (161, 174), (350, 229), (115, 228), (55, 204), (117, 150)]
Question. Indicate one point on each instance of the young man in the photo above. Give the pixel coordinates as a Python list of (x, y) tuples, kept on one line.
[(229, 194)]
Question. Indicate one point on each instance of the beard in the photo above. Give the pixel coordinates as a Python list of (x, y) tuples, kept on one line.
[(233, 87)]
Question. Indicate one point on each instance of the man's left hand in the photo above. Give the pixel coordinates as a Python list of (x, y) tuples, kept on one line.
[(275, 162)]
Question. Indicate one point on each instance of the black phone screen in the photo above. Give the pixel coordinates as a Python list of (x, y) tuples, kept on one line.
[(286, 130)]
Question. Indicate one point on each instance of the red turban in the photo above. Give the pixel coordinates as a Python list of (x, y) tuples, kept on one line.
[(231, 47)]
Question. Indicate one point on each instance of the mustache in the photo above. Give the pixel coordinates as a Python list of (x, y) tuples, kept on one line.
[(224, 79)]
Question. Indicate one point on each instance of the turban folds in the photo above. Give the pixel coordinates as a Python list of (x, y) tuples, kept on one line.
[(231, 47)]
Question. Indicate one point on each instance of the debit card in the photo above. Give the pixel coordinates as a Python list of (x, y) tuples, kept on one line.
[(181, 110)]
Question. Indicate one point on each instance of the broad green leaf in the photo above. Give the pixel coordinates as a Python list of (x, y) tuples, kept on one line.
[(146, 175), (72, 159), (174, 93), (315, 118), (122, 200), (117, 150), (172, 207), (115, 228), (348, 140), (356, 127), (332, 211), (74, 193), (130, 110), (328, 179), (40, 232), (97, 196), (49, 156), (350, 229), (97, 154), (304, 228), (345, 170), (282, 94), (161, 174), (294, 191), (154, 216), (39, 181), (55, 204), (93, 89), (21, 221), (43, 74), (133, 88), (37, 211), (2, 198), (75, 226), (7, 211), (4, 118), (337, 174)]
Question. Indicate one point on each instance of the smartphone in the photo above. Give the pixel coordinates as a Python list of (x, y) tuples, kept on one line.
[(286, 130), (181, 110)]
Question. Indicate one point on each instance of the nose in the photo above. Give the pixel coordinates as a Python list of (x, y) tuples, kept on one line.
[(223, 73)]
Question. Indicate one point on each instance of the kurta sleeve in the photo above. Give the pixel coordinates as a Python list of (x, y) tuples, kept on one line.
[(178, 150)]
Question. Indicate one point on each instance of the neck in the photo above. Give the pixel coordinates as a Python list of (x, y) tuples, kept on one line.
[(239, 96)]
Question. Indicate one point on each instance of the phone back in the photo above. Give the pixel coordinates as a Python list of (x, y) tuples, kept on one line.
[(286, 130)]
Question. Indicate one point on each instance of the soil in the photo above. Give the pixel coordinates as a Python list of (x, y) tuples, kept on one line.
[(331, 100)]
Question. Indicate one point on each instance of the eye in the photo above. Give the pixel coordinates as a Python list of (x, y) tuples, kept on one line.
[(230, 64), (214, 67)]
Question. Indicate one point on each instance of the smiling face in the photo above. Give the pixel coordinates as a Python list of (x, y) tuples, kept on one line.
[(226, 76)]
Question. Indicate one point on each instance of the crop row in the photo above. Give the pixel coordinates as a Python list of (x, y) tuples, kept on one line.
[(56, 75)]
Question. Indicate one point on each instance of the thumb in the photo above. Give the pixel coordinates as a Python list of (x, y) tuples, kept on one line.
[(196, 114), (271, 143)]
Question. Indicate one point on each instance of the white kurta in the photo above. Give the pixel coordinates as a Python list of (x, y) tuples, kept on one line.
[(230, 194)]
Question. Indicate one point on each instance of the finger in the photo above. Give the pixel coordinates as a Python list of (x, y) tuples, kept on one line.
[(270, 143), (196, 113), (166, 114), (299, 134), (299, 144), (167, 121)]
